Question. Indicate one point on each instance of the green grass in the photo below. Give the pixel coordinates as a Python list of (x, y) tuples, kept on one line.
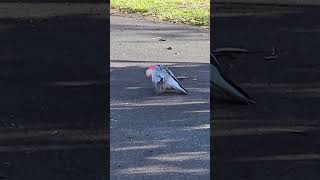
[(194, 12)]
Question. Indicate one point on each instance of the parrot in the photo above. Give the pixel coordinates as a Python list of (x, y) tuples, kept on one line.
[(221, 82), (163, 79)]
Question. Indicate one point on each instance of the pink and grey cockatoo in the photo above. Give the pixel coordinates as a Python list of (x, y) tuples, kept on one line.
[(163, 79)]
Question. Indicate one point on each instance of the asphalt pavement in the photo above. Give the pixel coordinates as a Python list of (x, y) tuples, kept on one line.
[(278, 137), (273, 2), (165, 136), (53, 108)]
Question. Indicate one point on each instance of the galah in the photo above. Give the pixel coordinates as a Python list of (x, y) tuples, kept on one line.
[(221, 82), (163, 79)]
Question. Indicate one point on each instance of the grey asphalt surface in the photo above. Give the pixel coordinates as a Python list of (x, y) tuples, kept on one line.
[(278, 137), (158, 137), (53, 108), (273, 2)]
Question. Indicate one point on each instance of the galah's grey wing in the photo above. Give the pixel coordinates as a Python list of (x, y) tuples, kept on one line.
[(175, 84), (157, 75), (173, 81), (156, 78), (223, 83)]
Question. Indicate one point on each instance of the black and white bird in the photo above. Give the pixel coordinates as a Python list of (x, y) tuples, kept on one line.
[(222, 83), (163, 79)]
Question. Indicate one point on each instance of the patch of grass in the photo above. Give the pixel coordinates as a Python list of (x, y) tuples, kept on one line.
[(194, 12)]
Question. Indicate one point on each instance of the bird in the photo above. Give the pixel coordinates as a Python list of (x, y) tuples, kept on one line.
[(163, 79), (219, 81)]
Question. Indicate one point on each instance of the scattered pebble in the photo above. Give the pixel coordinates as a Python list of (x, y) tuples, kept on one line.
[(13, 124), (55, 132), (169, 48), (271, 58), (195, 78)]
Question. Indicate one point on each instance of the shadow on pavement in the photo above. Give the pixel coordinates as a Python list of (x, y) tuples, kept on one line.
[(53, 109), (277, 138), (163, 136)]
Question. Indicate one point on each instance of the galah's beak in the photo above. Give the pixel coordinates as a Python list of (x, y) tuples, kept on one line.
[(150, 70)]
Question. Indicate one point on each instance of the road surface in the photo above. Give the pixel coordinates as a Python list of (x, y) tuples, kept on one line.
[(53, 108), (278, 137), (158, 137)]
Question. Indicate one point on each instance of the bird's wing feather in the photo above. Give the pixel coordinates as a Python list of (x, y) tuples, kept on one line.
[(156, 78), (157, 75), (170, 79), (225, 84)]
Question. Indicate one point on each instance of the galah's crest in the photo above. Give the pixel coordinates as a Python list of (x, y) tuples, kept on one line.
[(163, 79)]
